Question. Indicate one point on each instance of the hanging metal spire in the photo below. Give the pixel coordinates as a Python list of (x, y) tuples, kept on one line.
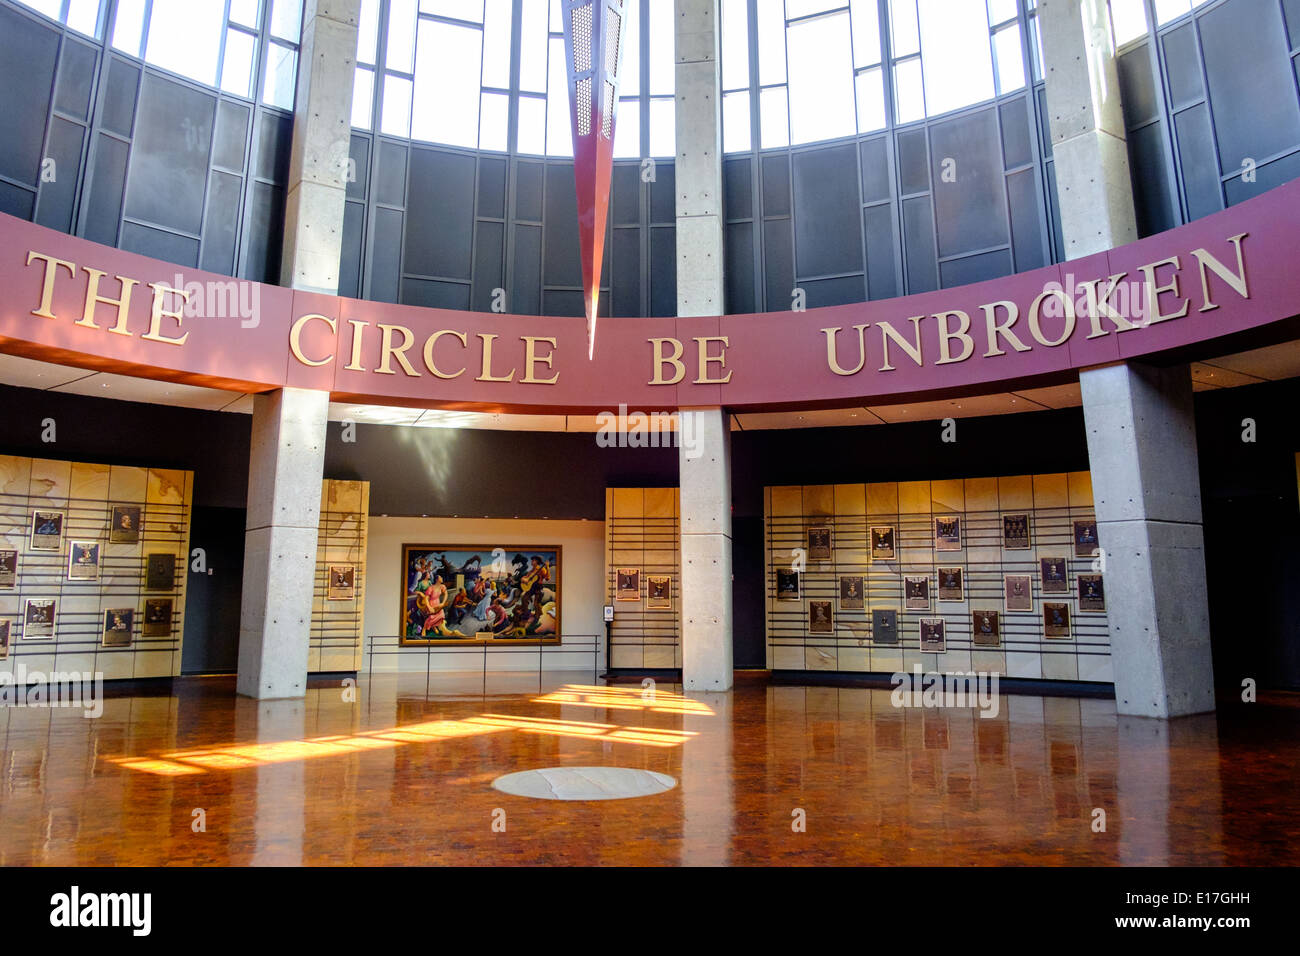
[(593, 35)]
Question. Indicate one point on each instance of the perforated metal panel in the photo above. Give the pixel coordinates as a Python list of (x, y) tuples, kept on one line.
[(582, 38), (613, 32), (584, 106)]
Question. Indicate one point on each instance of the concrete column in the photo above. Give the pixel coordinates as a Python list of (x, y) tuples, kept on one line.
[(284, 481), (705, 476), (1147, 492), (1087, 126), (322, 132), (698, 170)]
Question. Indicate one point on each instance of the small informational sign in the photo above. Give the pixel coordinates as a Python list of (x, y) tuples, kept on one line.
[(609, 613)]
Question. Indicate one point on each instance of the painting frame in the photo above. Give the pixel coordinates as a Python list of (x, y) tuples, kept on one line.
[(83, 561), (8, 568), (884, 625), (117, 623), (659, 592), (1017, 593), (627, 584), (789, 586), (1053, 574), (947, 532), (4, 639), (820, 541), (38, 625), (124, 525), (852, 597), (159, 617), (950, 583), (884, 547), (986, 627), (160, 571), (1056, 620), (932, 637), (821, 617), (42, 538), (1087, 541), (916, 592), (515, 565), (1016, 533), (1091, 590), (341, 582)]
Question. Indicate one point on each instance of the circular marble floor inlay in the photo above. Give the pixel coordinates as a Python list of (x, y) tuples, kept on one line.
[(584, 783)]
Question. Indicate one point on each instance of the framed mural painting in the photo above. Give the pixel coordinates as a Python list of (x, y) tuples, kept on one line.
[(460, 593)]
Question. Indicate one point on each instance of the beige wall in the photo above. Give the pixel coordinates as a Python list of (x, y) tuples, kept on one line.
[(582, 583)]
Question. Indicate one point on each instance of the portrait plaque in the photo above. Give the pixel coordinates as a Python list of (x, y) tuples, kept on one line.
[(125, 527), (157, 617), (821, 617), (659, 592), (38, 620), (629, 584), (916, 592), (851, 598), (1015, 531), (1019, 592), (342, 583), (47, 531), (83, 560), (1085, 538), (932, 635), (819, 543), (882, 542), (117, 627), (985, 629), (1092, 593), (1056, 619), (8, 568), (950, 585), (884, 626), (160, 572), (787, 584), (1052, 575), (947, 533)]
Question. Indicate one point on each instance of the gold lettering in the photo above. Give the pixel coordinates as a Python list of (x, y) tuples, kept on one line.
[(1099, 306), (355, 365), (1235, 279), (431, 341), (913, 350), (1035, 322), (154, 334), (832, 358), (993, 330), (47, 288), (660, 359), (295, 338), (945, 337), (532, 359), (388, 352), (705, 359), (1154, 291), (487, 375), (93, 298)]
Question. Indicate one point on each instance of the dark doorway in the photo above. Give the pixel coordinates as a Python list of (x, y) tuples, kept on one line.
[(749, 645), (212, 599)]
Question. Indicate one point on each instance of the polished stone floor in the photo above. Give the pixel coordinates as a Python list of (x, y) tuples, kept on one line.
[(392, 772)]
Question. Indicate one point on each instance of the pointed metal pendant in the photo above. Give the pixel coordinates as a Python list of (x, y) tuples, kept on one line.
[(593, 40)]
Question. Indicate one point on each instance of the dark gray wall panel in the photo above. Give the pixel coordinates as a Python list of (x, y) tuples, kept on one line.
[(913, 166), (169, 158), (432, 294), (970, 211), (738, 188), (563, 258), (1200, 168), (740, 267), (489, 264), (918, 235), (1266, 177), (1146, 156), (778, 265), (1137, 85), (265, 234), (833, 291), (359, 155), (776, 185), (1183, 66), (119, 96), (528, 191), (663, 193), (59, 196), (440, 214), (492, 187), (1026, 221), (563, 302), (354, 217), (159, 244), (663, 272), (625, 199), (385, 266), (1017, 137), (988, 265), (27, 55), (875, 169), (76, 78), (828, 225), (390, 179), (16, 202), (625, 299), (882, 281), (230, 141), (221, 225), (525, 292), (274, 144), (107, 181)]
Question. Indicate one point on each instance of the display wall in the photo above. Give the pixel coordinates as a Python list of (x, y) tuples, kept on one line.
[(643, 534), (109, 546), (818, 628), (339, 601)]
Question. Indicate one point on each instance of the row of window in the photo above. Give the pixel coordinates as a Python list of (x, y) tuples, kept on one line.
[(441, 71)]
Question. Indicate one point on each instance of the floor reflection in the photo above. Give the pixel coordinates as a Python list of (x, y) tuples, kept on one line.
[(388, 772)]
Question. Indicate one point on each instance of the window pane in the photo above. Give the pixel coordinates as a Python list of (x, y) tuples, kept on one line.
[(662, 47), (866, 32), (496, 44), (368, 31), (186, 38), (285, 15), (1010, 58), (903, 34), (396, 117), (1001, 10), (237, 69), (128, 26), (773, 118), (281, 76), (629, 72), (627, 130), (532, 125), (804, 8), (400, 50), (1129, 18), (771, 43), (457, 9), (821, 78), (83, 16), (244, 12), (736, 134), (51, 8), (557, 17), (663, 128), (445, 102), (909, 103), (1035, 50), (363, 98), (871, 100), (955, 52), (494, 121), (532, 48), (1167, 10), (735, 44), (559, 131)]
